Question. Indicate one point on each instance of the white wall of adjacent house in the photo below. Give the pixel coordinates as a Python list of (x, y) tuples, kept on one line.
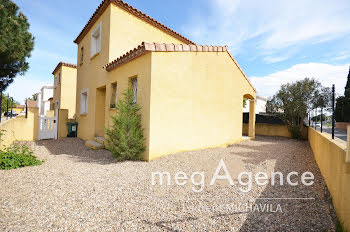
[(43, 99), (260, 106)]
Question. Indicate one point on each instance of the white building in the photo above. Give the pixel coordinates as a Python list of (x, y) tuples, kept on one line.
[(260, 105), (43, 99)]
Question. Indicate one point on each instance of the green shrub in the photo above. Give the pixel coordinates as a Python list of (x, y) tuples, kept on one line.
[(17, 157), (125, 137), (295, 131)]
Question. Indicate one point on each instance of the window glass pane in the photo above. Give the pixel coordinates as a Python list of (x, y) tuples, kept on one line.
[(134, 88)]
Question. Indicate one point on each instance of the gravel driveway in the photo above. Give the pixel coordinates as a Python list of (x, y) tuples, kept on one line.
[(77, 189)]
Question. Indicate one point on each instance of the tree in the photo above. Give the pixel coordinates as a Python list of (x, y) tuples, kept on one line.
[(347, 86), (16, 43), (8, 100), (342, 109), (318, 118), (293, 102), (125, 136), (34, 97)]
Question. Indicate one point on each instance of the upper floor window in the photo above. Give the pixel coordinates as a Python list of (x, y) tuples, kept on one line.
[(81, 55), (96, 40), (55, 81), (59, 78)]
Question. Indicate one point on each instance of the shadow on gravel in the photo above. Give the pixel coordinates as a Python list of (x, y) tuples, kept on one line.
[(315, 214), (76, 148)]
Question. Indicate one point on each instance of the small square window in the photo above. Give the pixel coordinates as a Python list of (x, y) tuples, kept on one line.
[(84, 101)]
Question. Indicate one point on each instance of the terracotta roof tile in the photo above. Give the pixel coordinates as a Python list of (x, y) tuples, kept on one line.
[(105, 3), (64, 64), (158, 47)]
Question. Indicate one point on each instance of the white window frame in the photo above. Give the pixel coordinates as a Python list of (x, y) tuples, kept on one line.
[(95, 46), (84, 105)]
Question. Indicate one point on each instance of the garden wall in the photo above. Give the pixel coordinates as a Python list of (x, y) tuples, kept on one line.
[(342, 125), (20, 128), (330, 156), (272, 130)]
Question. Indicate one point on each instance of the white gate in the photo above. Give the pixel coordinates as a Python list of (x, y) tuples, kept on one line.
[(47, 127)]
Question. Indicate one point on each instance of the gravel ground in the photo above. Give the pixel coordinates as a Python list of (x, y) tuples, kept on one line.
[(77, 189)]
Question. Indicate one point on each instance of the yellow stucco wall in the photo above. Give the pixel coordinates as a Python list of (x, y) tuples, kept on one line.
[(196, 101), (272, 130), (268, 130), (330, 157), (141, 69), (17, 110), (129, 31), (20, 128), (121, 32), (91, 76), (65, 92)]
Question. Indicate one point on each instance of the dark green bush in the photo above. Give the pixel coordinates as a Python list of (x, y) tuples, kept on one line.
[(125, 136), (295, 131), (17, 157)]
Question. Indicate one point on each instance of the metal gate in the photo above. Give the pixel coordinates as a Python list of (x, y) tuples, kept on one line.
[(47, 127)]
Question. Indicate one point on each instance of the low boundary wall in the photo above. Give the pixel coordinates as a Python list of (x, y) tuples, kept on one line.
[(330, 156), (20, 128)]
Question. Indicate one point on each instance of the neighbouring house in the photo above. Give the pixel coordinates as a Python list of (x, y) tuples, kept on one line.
[(191, 95), (260, 105), (19, 109), (65, 88), (43, 102), (32, 104)]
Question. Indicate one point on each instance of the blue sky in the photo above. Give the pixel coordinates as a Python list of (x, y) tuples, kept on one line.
[(274, 41)]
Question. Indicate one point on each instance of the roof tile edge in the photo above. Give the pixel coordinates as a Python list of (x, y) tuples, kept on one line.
[(105, 3), (64, 64)]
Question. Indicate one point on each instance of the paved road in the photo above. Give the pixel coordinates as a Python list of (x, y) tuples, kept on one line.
[(341, 134)]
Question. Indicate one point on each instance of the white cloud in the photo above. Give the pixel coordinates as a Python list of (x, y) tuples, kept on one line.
[(275, 59), (26, 86), (274, 24), (325, 73)]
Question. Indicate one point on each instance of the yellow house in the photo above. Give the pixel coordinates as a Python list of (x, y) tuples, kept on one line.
[(191, 96), (65, 88)]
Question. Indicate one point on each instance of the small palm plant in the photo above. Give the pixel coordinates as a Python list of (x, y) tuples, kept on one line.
[(125, 137)]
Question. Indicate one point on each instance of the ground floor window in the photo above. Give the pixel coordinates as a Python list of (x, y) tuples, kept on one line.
[(134, 88), (84, 101), (114, 89)]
